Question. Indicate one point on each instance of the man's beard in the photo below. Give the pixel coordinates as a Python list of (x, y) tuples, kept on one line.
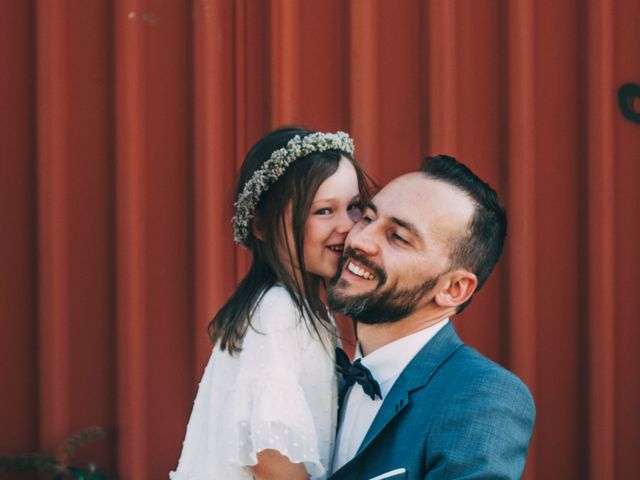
[(381, 305)]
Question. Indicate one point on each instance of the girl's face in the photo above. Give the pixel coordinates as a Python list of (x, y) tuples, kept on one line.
[(334, 211)]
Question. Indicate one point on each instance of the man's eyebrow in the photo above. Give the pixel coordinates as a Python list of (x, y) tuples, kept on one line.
[(407, 226)]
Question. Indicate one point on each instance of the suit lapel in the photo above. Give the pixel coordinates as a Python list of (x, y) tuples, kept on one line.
[(415, 375)]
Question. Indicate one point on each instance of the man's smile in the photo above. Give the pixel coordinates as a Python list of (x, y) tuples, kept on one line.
[(359, 270)]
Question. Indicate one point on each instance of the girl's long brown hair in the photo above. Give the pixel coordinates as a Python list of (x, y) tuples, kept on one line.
[(297, 187)]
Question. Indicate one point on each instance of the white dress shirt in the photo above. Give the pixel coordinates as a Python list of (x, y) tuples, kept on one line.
[(386, 364)]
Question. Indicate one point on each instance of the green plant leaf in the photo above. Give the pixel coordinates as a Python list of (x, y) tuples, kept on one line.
[(78, 473), (81, 438), (28, 462)]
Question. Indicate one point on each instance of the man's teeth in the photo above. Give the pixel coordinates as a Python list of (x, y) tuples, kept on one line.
[(360, 271)]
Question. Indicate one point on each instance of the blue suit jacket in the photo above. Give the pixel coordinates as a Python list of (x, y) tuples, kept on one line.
[(451, 414)]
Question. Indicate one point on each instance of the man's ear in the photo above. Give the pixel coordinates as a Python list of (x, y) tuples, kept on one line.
[(460, 286)]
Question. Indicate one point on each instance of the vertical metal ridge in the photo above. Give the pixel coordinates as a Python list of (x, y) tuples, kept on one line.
[(443, 84), (213, 110), (207, 20), (53, 226), (239, 79), (522, 190), (424, 76), (601, 249), (240, 56), (285, 61), (130, 138), (363, 88), (19, 289)]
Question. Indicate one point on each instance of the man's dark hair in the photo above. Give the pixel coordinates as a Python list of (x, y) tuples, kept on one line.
[(478, 250)]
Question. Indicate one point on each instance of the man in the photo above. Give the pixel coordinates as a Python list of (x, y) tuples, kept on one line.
[(421, 403)]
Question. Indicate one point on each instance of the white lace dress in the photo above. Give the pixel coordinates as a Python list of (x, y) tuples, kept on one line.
[(279, 392)]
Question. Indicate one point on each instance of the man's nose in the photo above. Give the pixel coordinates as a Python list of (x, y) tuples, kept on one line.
[(362, 238)]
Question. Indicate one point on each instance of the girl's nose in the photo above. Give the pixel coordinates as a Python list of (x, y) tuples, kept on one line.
[(344, 223)]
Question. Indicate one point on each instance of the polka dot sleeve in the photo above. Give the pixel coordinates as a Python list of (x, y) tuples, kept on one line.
[(267, 407)]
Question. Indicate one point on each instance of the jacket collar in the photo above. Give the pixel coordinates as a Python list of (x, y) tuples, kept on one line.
[(417, 374)]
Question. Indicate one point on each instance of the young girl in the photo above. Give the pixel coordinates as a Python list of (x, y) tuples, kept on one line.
[(267, 403)]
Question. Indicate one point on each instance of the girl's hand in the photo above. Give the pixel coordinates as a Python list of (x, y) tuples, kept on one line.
[(272, 465)]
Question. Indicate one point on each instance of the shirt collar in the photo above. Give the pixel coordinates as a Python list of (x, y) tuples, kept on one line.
[(388, 361)]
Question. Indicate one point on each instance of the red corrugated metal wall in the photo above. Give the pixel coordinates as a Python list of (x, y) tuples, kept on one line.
[(121, 127)]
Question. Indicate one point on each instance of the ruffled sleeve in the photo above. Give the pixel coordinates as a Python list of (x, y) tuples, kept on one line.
[(266, 406)]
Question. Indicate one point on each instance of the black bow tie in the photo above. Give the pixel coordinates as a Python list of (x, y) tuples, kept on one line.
[(357, 373)]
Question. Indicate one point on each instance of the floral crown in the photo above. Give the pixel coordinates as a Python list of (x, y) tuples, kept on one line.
[(273, 169)]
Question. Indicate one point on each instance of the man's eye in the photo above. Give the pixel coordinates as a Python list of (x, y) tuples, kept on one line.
[(398, 238), (366, 219)]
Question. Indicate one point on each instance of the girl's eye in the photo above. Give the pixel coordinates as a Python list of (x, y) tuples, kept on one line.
[(354, 212), (366, 219), (323, 211)]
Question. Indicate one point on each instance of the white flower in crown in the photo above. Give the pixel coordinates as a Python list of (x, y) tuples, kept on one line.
[(273, 169)]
